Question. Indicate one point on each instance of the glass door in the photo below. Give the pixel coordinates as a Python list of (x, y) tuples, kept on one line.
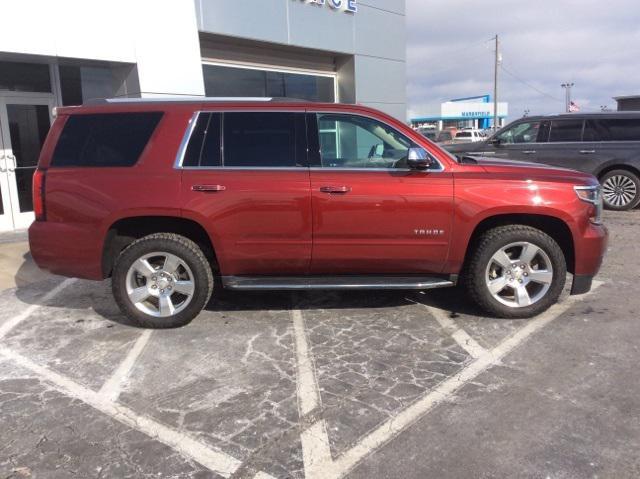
[(24, 121)]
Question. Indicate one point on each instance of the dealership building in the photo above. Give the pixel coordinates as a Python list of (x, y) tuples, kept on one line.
[(66, 53), (470, 112)]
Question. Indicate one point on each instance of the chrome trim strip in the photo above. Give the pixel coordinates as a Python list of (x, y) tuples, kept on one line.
[(258, 168), (293, 283), (381, 170), (185, 140)]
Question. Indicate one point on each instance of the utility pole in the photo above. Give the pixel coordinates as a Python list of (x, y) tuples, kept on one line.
[(495, 87), (567, 95)]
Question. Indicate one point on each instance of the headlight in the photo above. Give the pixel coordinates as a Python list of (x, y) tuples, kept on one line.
[(592, 194)]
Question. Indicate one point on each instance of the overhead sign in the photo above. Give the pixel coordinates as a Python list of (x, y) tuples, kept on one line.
[(348, 6)]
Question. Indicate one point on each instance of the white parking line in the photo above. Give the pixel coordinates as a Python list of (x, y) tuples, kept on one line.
[(307, 384), (13, 322), (110, 390), (459, 335), (318, 461), (217, 461)]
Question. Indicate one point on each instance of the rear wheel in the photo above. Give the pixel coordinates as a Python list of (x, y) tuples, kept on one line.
[(162, 281), (620, 190), (515, 271)]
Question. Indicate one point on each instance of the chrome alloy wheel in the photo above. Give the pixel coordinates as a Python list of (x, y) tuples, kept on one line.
[(160, 284), (619, 190), (519, 274)]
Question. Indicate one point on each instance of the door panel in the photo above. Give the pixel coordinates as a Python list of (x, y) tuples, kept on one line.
[(6, 219), (256, 204), (517, 142), (387, 222), (259, 220)]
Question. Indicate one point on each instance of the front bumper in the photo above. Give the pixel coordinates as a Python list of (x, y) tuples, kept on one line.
[(590, 249)]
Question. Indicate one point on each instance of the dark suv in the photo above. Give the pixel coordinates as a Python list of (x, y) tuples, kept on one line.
[(607, 145)]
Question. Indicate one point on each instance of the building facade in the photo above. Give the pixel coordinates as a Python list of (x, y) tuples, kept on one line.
[(628, 103), (66, 53), (471, 112)]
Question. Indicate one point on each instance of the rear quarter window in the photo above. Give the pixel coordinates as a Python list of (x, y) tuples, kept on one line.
[(104, 140), (622, 129)]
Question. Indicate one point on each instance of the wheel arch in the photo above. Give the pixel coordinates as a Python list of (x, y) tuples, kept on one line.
[(553, 226), (617, 166), (126, 230)]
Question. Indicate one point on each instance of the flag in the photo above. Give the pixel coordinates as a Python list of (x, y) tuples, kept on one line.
[(573, 107)]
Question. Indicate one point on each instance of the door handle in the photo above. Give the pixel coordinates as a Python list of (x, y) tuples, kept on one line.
[(208, 188), (587, 152), (335, 189), (529, 152)]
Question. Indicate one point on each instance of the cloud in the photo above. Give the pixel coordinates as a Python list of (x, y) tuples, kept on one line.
[(593, 43)]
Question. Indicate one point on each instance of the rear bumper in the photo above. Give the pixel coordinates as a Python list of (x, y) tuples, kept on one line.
[(66, 249), (589, 252)]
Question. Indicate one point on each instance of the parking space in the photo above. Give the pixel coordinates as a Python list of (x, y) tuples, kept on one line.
[(322, 385)]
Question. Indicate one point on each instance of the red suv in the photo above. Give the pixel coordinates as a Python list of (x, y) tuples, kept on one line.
[(175, 199)]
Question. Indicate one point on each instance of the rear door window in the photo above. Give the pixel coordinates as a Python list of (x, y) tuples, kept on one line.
[(264, 139), (566, 131), (104, 140)]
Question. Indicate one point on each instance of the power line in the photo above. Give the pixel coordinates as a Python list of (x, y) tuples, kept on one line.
[(524, 82)]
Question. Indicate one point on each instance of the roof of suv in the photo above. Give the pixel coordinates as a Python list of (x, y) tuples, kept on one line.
[(573, 116)]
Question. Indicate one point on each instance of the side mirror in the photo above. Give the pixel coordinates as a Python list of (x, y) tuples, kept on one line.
[(495, 141), (419, 159)]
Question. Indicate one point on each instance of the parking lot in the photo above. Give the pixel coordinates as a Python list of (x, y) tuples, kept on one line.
[(324, 384)]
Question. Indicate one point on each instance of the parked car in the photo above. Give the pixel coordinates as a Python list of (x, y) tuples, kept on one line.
[(468, 136), (445, 136), (606, 145), (430, 133), (175, 200)]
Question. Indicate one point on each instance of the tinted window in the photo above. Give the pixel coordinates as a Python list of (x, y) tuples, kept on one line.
[(351, 141), (613, 130), (464, 134), (526, 132), (566, 130), (204, 145), (262, 139), (114, 139), (17, 76)]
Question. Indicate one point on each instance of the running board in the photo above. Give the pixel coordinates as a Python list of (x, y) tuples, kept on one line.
[(334, 282)]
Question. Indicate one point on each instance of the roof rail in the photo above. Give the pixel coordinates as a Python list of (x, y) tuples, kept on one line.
[(186, 98)]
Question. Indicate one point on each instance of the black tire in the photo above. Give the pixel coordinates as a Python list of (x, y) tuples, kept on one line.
[(613, 196), (177, 245), (481, 256)]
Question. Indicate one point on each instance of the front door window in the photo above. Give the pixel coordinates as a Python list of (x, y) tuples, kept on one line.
[(526, 132), (352, 141)]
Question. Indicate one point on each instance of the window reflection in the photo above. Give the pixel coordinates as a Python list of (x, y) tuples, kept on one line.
[(223, 81)]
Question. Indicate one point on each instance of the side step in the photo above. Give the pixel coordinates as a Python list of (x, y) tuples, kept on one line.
[(334, 282)]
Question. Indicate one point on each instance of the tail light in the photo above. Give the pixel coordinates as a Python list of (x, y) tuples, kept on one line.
[(39, 178)]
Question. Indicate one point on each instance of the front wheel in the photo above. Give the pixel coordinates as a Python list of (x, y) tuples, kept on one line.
[(162, 281), (515, 271), (620, 190)]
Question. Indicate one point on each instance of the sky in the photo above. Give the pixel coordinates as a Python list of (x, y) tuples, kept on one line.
[(593, 43)]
